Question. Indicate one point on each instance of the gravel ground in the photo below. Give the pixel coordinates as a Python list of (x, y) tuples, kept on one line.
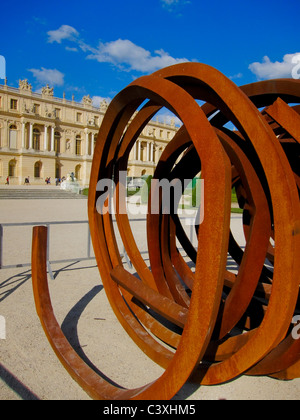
[(29, 368)]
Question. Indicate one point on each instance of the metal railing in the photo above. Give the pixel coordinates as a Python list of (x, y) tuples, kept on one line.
[(88, 256)]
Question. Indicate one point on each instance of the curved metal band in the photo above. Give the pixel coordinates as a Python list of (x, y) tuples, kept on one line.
[(201, 307)]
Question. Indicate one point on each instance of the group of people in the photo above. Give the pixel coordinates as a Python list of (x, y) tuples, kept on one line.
[(26, 181), (47, 180), (58, 181)]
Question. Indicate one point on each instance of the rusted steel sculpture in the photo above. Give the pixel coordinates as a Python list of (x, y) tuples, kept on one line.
[(226, 324)]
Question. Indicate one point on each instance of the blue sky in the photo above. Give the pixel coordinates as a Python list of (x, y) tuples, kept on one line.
[(99, 47)]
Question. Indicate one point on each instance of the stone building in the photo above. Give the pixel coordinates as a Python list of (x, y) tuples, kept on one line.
[(43, 136)]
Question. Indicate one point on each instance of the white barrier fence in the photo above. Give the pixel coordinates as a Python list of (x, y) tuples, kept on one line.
[(89, 252), (88, 255)]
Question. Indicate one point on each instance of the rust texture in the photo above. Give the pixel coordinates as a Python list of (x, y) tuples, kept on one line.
[(221, 323)]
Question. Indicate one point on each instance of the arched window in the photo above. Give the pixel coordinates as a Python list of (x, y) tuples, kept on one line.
[(36, 139), (57, 142), (13, 137), (58, 170), (37, 169), (78, 172), (12, 168)]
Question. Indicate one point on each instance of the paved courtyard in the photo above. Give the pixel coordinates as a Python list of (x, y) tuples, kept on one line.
[(29, 368)]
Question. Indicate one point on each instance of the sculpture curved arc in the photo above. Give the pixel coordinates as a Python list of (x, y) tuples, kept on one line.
[(211, 300)]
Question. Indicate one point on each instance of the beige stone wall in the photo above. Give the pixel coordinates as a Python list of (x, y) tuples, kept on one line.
[(5, 160), (47, 136)]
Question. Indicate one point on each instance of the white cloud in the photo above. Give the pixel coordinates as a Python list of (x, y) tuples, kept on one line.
[(74, 49), (171, 5), (98, 99), (169, 2), (125, 54), (51, 76), (121, 53), (167, 117), (279, 69), (64, 32), (236, 76)]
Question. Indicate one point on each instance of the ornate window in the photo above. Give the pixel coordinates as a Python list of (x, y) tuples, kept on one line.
[(57, 142), (78, 145), (57, 113), (14, 104), (36, 109), (12, 168), (36, 139), (37, 169), (58, 170), (13, 137)]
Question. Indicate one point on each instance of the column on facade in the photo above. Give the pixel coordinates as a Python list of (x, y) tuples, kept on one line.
[(139, 149), (23, 135), (93, 144), (134, 151), (30, 135), (45, 138), (52, 138), (148, 152), (4, 140), (151, 151), (73, 143), (86, 141)]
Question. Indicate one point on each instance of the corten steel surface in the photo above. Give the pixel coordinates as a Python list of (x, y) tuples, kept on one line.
[(222, 324)]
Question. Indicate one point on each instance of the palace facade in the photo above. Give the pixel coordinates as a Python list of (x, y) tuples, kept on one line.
[(42, 136)]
